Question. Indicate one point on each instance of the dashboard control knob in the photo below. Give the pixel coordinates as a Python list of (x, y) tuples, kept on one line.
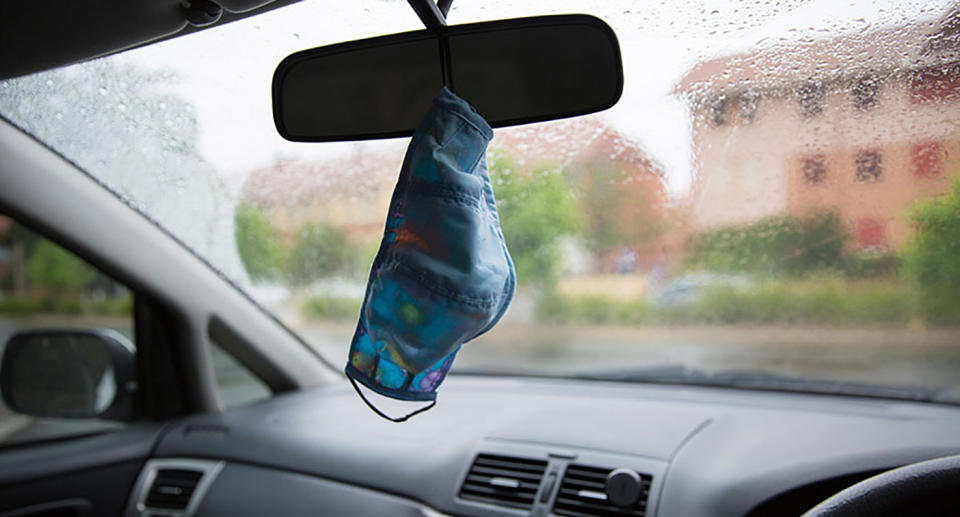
[(624, 487)]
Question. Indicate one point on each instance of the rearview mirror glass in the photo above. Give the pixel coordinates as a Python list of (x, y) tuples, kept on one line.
[(68, 374), (512, 71)]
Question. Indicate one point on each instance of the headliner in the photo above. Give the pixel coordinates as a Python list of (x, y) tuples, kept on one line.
[(37, 36)]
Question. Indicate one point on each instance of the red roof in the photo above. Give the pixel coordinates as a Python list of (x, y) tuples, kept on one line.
[(924, 43), (304, 183), (573, 140)]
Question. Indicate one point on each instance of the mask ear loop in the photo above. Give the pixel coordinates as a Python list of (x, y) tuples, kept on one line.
[(384, 415)]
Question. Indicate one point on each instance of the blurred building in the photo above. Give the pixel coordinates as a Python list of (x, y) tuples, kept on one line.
[(351, 192), (862, 124), (615, 181)]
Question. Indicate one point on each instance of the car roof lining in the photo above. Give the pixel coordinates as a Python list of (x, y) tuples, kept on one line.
[(36, 36)]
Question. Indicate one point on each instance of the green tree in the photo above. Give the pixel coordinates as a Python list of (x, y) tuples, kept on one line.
[(55, 269), (931, 257), (320, 250), (258, 244), (536, 210), (776, 245)]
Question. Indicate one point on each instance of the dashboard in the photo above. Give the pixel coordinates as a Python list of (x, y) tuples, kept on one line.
[(518, 446)]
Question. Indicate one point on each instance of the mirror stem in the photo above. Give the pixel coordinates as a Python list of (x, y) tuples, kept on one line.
[(428, 12), (444, 6), (434, 17)]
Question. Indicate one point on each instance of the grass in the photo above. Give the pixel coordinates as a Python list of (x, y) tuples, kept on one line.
[(323, 308), (26, 305), (810, 301), (816, 300)]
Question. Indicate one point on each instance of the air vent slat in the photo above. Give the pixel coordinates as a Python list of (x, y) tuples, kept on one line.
[(490, 472), (503, 480), (519, 466), (580, 488), (485, 480), (585, 485)]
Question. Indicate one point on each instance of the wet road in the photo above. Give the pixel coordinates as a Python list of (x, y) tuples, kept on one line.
[(891, 356)]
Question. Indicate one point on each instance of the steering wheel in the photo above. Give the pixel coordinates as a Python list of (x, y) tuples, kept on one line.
[(926, 488)]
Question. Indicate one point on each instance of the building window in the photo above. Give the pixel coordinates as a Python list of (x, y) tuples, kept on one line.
[(718, 111), (869, 166), (871, 233), (935, 84), (747, 107), (811, 97), (927, 158), (865, 92), (814, 168)]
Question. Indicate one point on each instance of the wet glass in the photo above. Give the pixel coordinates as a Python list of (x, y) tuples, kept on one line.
[(775, 193)]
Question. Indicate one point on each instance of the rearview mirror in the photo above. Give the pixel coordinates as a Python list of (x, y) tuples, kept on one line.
[(512, 71), (68, 374)]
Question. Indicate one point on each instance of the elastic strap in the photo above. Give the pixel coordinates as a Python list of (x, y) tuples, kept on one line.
[(384, 415)]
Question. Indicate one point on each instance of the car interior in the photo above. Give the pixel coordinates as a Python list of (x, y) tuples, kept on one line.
[(155, 363)]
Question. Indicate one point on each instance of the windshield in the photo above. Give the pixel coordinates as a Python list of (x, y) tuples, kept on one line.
[(775, 196)]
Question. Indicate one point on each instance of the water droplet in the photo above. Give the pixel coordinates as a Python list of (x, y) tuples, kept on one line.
[(103, 91), (58, 116)]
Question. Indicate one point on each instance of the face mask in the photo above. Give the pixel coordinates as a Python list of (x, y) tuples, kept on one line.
[(442, 275)]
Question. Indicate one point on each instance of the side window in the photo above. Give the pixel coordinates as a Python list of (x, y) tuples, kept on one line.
[(236, 385), (67, 353)]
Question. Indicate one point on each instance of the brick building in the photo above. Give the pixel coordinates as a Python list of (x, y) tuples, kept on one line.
[(861, 124)]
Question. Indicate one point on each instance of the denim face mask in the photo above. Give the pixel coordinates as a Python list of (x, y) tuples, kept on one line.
[(442, 275)]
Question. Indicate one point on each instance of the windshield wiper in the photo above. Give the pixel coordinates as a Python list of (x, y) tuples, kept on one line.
[(736, 378)]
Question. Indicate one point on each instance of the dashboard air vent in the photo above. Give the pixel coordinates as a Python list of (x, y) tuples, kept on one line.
[(503, 480), (583, 492), (172, 488)]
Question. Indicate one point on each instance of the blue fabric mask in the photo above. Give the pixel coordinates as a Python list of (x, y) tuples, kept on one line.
[(442, 275)]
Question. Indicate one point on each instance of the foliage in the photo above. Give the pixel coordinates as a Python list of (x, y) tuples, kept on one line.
[(776, 245), (319, 250), (810, 301), (259, 245), (593, 310), (53, 268), (871, 265), (536, 210), (931, 257), (324, 308), (65, 303)]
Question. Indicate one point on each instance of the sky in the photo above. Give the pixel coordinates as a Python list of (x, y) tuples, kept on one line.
[(226, 72)]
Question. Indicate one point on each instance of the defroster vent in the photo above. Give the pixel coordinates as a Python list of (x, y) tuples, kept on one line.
[(503, 480)]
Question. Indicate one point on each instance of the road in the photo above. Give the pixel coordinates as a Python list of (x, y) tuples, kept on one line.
[(893, 356)]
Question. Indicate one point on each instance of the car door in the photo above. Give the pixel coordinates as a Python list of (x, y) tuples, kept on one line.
[(197, 340), (58, 454)]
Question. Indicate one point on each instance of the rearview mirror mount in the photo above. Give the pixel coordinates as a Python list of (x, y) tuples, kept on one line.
[(512, 71)]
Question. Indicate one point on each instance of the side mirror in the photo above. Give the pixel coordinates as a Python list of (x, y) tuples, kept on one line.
[(69, 374)]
